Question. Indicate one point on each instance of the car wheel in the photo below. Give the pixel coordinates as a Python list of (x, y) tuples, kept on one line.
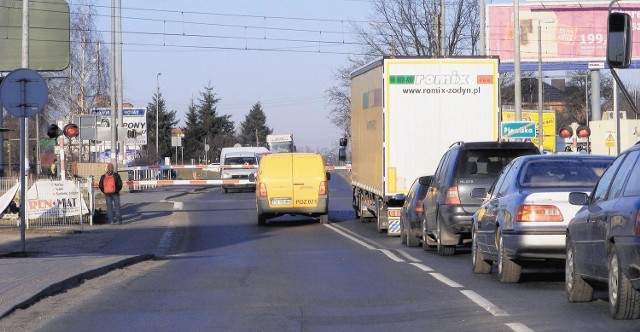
[(624, 301), (427, 242), (442, 249), (412, 241), (324, 219), (576, 288), (508, 270), (262, 220), (480, 265), (403, 234)]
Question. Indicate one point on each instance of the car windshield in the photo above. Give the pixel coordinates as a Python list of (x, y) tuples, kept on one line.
[(240, 161), (562, 173)]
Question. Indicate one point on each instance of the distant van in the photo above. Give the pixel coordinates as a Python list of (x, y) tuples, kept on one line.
[(239, 163), (292, 183)]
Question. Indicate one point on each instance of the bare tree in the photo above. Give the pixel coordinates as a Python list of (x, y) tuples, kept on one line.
[(86, 81)]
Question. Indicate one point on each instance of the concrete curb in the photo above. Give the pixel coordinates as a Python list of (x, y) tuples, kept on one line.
[(76, 280)]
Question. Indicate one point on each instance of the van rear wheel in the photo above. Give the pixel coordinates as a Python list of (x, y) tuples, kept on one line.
[(262, 220)]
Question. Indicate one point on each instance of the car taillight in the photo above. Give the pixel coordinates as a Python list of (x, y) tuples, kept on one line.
[(538, 213), (637, 230), (418, 207), (452, 196), (262, 189), (394, 213), (323, 188)]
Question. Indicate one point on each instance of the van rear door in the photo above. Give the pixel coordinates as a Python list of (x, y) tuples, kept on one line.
[(279, 181), (308, 173)]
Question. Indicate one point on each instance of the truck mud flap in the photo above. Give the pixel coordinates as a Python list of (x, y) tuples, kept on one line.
[(394, 228)]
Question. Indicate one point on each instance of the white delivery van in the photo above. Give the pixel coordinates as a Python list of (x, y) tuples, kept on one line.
[(238, 163)]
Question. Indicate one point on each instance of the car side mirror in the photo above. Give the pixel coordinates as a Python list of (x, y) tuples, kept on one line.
[(578, 198), (328, 176), (619, 40), (479, 192), (252, 177)]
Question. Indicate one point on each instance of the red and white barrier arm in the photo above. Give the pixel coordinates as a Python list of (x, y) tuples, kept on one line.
[(183, 182), (331, 168), (209, 167)]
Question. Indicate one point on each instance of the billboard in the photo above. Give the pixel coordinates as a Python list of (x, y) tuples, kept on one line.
[(569, 32), (132, 119)]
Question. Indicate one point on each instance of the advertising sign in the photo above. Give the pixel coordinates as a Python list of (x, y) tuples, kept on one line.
[(55, 199), (548, 126), (569, 32), (133, 119)]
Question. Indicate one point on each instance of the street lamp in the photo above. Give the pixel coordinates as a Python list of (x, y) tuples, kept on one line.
[(157, 110)]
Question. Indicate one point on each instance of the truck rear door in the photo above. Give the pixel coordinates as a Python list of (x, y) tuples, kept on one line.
[(308, 173)]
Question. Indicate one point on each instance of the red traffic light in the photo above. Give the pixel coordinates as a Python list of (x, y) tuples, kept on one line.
[(583, 132), (565, 132), (71, 130)]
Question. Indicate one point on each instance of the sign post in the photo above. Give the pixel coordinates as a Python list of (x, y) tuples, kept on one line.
[(23, 93)]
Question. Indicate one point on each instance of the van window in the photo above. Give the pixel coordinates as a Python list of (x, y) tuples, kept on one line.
[(240, 161)]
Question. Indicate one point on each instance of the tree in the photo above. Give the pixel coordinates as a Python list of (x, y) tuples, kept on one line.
[(166, 122), (193, 134), (255, 121), (86, 85), (218, 130)]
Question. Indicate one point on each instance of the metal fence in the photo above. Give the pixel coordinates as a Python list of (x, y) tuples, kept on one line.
[(9, 218)]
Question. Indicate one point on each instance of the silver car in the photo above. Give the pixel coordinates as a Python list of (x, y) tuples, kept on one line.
[(526, 210)]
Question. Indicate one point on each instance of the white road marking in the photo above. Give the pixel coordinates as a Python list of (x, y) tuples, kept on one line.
[(422, 267), (392, 256), (353, 238), (484, 303), (178, 205), (518, 327), (446, 280), (407, 256)]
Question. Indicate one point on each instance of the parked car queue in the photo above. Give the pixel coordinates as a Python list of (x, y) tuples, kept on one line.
[(581, 209)]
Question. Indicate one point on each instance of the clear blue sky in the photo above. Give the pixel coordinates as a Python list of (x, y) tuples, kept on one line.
[(305, 42)]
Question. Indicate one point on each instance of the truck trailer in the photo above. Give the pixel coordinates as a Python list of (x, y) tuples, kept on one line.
[(281, 143), (405, 113)]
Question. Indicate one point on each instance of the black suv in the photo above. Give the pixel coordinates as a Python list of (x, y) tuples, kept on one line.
[(448, 205)]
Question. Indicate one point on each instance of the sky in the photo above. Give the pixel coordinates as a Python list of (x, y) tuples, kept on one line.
[(197, 42)]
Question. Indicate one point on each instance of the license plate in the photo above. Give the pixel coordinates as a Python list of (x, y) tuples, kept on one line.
[(281, 201)]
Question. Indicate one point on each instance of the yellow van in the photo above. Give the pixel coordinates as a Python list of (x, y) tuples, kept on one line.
[(292, 183)]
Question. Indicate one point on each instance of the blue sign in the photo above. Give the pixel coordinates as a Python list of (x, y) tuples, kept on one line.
[(518, 129)]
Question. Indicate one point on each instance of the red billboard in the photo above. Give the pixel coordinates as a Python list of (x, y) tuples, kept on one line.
[(569, 32)]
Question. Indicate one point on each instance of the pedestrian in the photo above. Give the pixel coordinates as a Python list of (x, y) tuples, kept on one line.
[(110, 184)]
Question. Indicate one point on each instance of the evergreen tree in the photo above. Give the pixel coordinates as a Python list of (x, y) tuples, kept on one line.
[(193, 135), (217, 129), (166, 122), (254, 121)]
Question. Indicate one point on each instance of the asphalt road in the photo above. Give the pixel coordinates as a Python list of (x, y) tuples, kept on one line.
[(224, 272)]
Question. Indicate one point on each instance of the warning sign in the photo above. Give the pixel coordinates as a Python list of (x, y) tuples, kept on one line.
[(610, 141)]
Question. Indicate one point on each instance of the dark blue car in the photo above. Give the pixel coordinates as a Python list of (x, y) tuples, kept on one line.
[(603, 239)]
